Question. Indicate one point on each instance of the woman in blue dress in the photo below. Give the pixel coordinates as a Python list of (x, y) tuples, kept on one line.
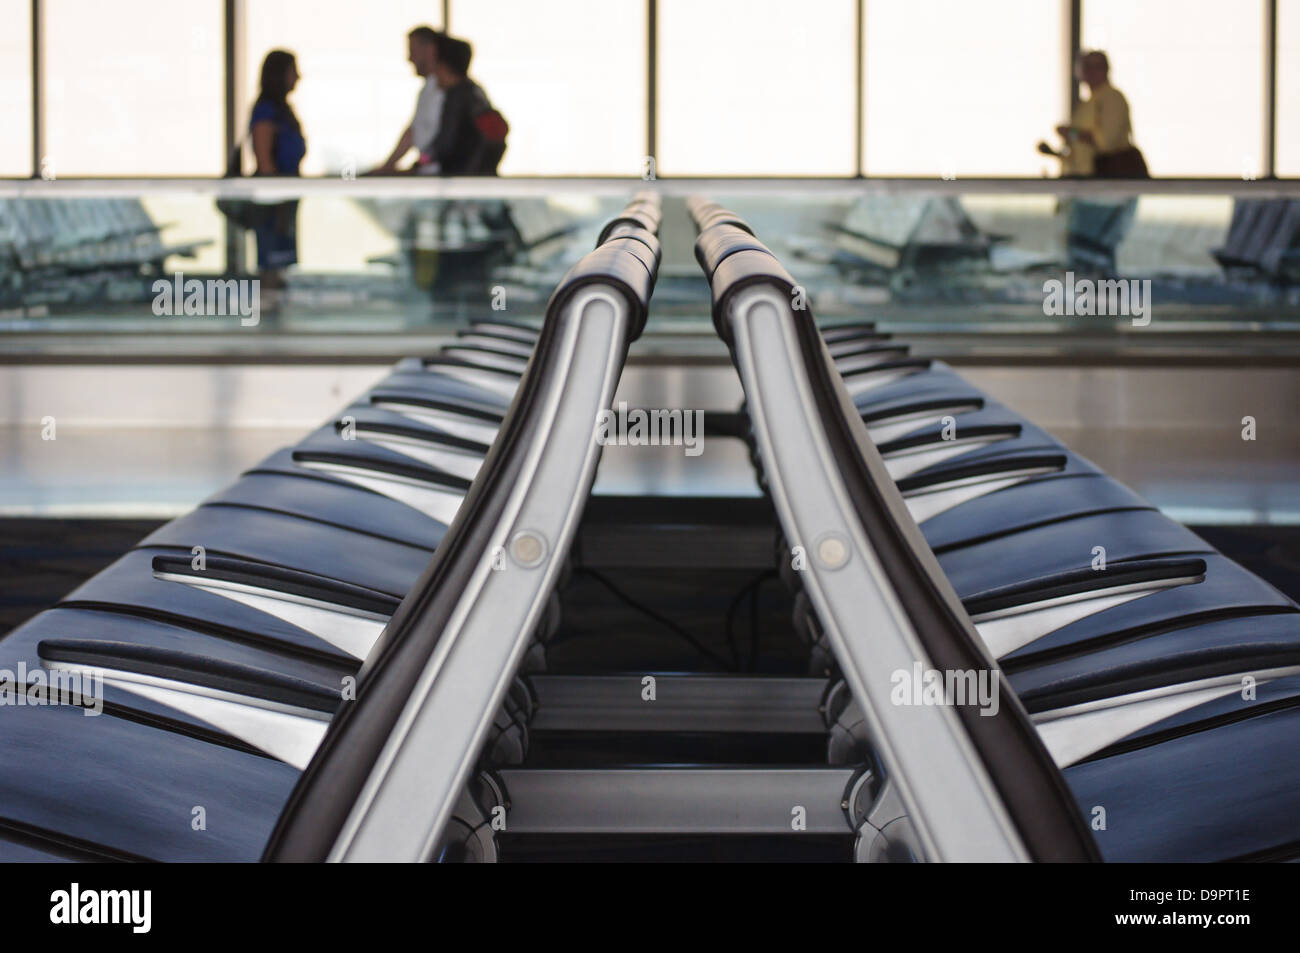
[(279, 146)]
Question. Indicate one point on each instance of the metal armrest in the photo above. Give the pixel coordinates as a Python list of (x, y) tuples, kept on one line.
[(395, 765), (973, 785)]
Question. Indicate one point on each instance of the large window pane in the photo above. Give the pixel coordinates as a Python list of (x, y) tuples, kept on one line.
[(962, 88), (1193, 72), (756, 87), (16, 87), (1288, 88), (568, 75), (357, 91), (134, 87)]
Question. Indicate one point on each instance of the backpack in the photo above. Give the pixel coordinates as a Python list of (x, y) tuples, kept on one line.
[(492, 126), (242, 213), (245, 213)]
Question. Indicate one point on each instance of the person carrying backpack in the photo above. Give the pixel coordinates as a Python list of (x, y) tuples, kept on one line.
[(471, 137)]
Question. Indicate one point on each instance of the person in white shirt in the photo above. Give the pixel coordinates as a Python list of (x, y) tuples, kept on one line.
[(422, 45)]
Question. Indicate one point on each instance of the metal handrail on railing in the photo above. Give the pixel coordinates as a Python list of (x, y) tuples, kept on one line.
[(279, 188)]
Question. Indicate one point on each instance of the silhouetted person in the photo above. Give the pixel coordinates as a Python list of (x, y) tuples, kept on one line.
[(422, 52), (278, 146), (1098, 142), (471, 136)]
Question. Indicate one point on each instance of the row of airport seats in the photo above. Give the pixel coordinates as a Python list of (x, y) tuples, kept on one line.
[(231, 635), (1163, 678), (901, 232), (450, 245), (59, 249), (1263, 239)]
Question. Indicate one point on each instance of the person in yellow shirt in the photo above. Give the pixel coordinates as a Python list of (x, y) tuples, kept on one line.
[(1098, 143), (1099, 138)]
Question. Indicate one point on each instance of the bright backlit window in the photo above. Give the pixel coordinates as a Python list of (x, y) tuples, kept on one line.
[(953, 88), (16, 87), (957, 88), (756, 87), (134, 87), (357, 90), (1193, 72), (570, 78), (1288, 88)]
